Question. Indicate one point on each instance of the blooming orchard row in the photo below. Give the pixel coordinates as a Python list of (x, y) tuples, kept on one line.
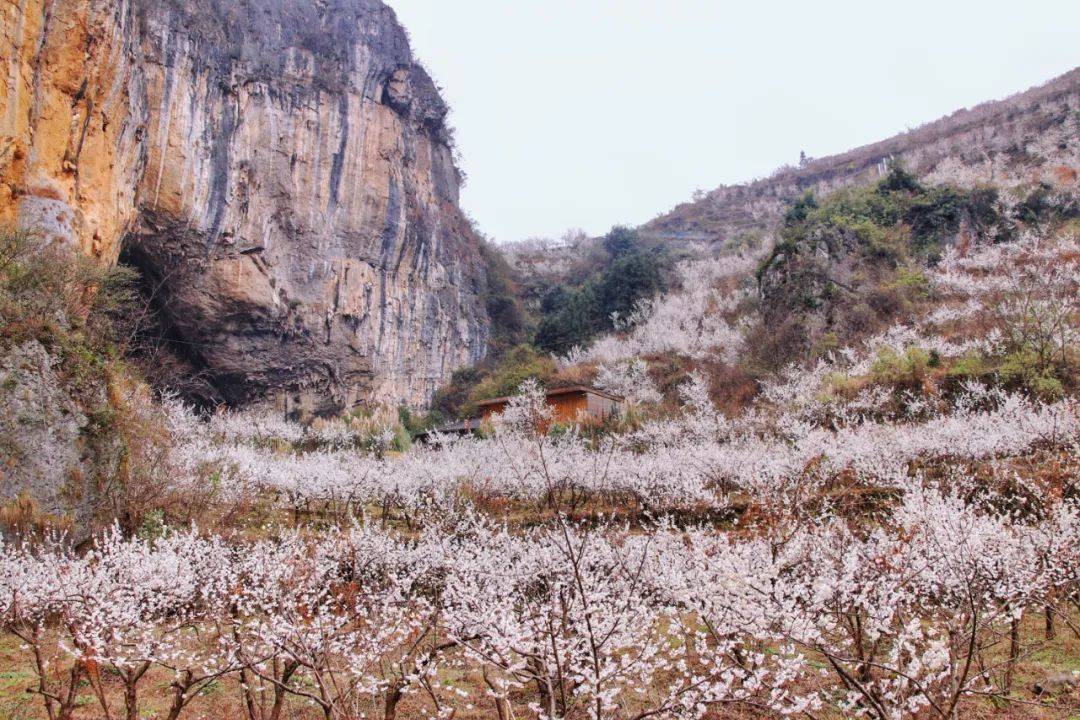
[(1005, 267), (1048, 152), (697, 459), (799, 437), (902, 619)]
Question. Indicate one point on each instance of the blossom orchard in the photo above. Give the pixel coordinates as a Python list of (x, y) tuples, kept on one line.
[(566, 620), (909, 615), (698, 459), (419, 598)]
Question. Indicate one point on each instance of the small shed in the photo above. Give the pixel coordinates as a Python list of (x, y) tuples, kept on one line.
[(576, 403)]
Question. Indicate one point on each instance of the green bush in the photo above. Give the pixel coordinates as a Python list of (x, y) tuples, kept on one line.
[(153, 525), (522, 363), (906, 369), (1043, 205), (896, 219), (847, 265), (402, 439), (913, 281), (451, 398), (83, 313), (1047, 388), (801, 209), (509, 321), (621, 241), (969, 367), (414, 425), (572, 317), (79, 310), (495, 377), (1024, 368)]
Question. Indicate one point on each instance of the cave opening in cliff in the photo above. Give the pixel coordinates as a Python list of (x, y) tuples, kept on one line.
[(170, 362)]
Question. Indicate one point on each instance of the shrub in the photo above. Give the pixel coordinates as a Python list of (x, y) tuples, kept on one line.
[(133, 448), (76, 308), (509, 322), (1038, 315), (21, 518), (912, 281), (847, 265), (451, 398), (1044, 205), (1025, 368), (412, 425), (402, 440), (495, 377), (522, 363), (908, 369), (83, 314), (969, 367), (621, 241), (801, 208), (572, 317)]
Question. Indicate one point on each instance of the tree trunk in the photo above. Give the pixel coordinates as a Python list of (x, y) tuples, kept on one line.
[(1051, 631), (131, 691), (865, 674), (497, 693), (279, 703), (179, 688), (542, 687), (287, 671), (67, 707), (393, 695), (39, 666), (249, 699), (131, 701), (1014, 653)]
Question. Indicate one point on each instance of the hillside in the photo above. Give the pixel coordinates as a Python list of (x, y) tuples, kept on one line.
[(1006, 141), (1019, 150), (1030, 137)]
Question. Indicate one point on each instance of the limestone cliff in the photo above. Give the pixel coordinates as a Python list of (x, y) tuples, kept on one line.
[(280, 170)]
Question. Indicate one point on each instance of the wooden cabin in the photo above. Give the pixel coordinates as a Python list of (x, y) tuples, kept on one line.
[(576, 403)]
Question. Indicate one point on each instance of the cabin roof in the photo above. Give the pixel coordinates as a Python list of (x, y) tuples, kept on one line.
[(459, 426), (555, 392)]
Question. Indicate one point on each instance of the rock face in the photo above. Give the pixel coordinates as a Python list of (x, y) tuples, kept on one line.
[(43, 429), (280, 170), (71, 120)]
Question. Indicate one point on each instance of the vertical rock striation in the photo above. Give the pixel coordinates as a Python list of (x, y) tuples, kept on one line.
[(280, 170), (70, 120)]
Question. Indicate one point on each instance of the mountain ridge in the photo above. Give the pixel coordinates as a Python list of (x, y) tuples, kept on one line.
[(725, 212)]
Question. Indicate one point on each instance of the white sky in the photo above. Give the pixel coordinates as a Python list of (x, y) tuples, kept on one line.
[(588, 113)]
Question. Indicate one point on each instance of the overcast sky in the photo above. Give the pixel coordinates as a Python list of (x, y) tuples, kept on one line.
[(588, 113)]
